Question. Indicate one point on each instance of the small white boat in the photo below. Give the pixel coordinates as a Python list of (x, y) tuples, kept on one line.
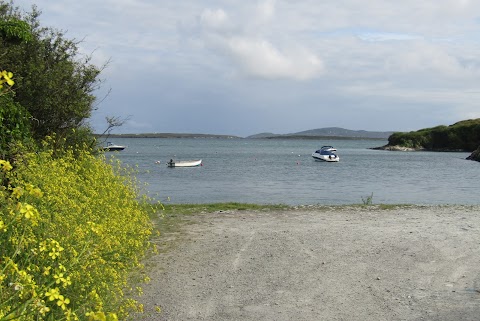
[(112, 147), (326, 154), (189, 163)]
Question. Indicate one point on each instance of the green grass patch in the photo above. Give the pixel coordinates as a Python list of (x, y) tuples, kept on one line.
[(186, 209)]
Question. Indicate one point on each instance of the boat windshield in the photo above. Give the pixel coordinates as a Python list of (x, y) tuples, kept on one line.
[(327, 152)]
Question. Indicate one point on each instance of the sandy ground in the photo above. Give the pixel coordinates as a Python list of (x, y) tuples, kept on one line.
[(348, 263)]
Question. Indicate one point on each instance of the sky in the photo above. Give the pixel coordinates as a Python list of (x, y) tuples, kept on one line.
[(282, 66)]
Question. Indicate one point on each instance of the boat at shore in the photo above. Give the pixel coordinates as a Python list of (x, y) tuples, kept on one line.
[(189, 163), (112, 147), (326, 154)]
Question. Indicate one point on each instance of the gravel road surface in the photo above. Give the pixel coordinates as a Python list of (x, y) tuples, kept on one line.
[(320, 263)]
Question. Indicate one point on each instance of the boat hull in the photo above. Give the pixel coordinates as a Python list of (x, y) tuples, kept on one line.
[(113, 148), (192, 163), (325, 158)]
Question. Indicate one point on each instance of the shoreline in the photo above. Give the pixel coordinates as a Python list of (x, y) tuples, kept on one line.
[(321, 263), (206, 136), (410, 149)]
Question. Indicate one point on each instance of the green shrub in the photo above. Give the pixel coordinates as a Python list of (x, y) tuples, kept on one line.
[(14, 124), (71, 228), (464, 135)]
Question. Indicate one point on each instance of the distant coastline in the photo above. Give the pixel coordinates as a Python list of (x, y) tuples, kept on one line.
[(211, 136), (312, 134), (323, 137), (165, 135)]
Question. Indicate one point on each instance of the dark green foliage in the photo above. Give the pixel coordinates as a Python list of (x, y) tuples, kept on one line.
[(14, 124), (53, 82), (461, 136)]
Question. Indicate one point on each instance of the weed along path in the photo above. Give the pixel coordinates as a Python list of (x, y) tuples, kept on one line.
[(319, 263)]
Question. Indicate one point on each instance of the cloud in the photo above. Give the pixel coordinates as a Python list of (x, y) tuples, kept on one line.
[(386, 36), (432, 60), (213, 18), (266, 10), (260, 58), (254, 54)]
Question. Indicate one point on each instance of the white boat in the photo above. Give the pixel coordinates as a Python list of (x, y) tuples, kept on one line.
[(189, 163), (326, 154), (112, 147)]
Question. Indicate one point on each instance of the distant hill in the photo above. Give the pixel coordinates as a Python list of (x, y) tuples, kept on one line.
[(263, 135), (336, 132)]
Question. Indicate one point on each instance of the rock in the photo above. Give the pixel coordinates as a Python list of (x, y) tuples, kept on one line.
[(475, 156), (397, 148)]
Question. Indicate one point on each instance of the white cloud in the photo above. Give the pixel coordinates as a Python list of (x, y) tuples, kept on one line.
[(430, 60), (213, 18), (266, 10), (386, 36), (260, 58), (252, 52)]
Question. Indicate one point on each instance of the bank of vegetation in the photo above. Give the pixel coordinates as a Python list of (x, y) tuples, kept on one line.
[(73, 225), (461, 136)]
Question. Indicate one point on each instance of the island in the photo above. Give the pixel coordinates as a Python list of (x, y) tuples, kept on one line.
[(463, 136)]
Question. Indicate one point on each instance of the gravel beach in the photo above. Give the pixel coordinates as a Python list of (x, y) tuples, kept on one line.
[(319, 263)]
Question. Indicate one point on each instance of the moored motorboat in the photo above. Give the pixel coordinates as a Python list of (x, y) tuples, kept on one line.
[(112, 147), (189, 163), (326, 154)]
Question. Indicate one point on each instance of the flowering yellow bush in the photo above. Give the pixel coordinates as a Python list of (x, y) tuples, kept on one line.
[(71, 229)]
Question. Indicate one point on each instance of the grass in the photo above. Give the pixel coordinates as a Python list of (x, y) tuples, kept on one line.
[(367, 200), (170, 218), (216, 207)]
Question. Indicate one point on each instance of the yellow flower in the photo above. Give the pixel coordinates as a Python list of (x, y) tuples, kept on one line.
[(54, 253), (62, 302), (43, 246), (46, 270), (112, 317), (17, 192), (34, 191), (5, 165), (52, 294), (56, 249), (94, 316), (60, 279), (7, 78), (44, 310), (28, 210), (70, 315)]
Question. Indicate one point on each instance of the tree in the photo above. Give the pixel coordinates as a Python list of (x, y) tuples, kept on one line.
[(14, 119), (54, 83)]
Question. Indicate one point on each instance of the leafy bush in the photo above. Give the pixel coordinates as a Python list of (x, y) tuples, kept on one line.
[(464, 135), (54, 82), (14, 124), (71, 228)]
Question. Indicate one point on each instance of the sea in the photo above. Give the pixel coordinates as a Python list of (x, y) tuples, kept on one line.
[(282, 171)]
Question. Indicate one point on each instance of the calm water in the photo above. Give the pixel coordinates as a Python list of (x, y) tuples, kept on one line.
[(282, 171)]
